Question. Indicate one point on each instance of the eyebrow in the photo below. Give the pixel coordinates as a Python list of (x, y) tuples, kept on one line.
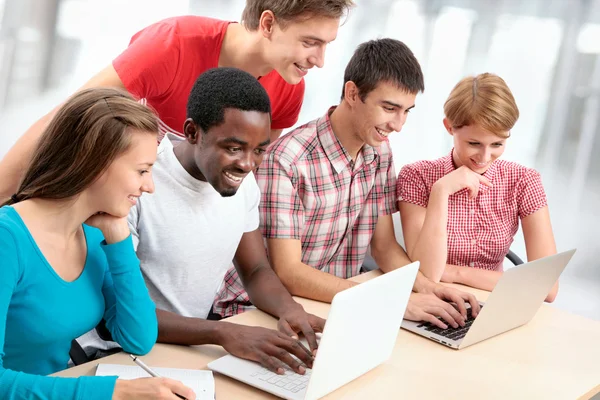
[(147, 164), (391, 103), (265, 143), (479, 141), (241, 142), (316, 39), (234, 140)]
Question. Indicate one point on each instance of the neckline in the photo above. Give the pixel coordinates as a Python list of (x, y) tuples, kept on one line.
[(43, 257)]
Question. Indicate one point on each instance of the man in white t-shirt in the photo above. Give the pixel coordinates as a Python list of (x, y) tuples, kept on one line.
[(204, 214)]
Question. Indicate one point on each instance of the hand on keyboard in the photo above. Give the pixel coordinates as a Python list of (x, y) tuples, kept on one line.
[(272, 349), (430, 308)]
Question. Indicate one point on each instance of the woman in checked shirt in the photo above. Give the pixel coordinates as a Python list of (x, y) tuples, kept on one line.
[(461, 212)]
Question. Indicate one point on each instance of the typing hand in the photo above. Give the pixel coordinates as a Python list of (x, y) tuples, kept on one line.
[(295, 321), (151, 389), (459, 298), (272, 349), (428, 307)]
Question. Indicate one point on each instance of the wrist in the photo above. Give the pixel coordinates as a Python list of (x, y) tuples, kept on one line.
[(220, 330), (116, 234), (423, 284), (289, 308), (438, 190), (120, 391)]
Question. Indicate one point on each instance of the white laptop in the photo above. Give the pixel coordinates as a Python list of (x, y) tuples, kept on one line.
[(514, 301), (360, 333)]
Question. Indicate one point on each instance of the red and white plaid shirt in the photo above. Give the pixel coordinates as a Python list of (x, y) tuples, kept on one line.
[(480, 230), (313, 191)]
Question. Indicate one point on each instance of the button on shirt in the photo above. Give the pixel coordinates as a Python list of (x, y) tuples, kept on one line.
[(480, 230), (312, 190)]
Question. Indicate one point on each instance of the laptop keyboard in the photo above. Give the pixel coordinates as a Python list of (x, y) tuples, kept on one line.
[(289, 381), (450, 332)]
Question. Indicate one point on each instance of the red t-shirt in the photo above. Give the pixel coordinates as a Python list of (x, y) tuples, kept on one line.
[(164, 60)]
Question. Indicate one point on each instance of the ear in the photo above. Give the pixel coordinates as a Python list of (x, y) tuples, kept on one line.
[(191, 131), (448, 126), (351, 94), (266, 23)]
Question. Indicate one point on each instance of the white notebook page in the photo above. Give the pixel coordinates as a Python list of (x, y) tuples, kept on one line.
[(201, 382)]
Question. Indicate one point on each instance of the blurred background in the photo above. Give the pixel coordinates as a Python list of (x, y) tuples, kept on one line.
[(548, 51)]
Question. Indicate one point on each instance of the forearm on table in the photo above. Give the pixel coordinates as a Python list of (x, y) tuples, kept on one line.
[(474, 277), (303, 280), (177, 329)]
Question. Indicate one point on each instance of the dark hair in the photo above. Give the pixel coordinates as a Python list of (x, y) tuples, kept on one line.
[(286, 11), (384, 60), (84, 137), (221, 88)]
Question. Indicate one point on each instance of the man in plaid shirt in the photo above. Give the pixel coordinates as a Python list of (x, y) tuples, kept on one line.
[(328, 191)]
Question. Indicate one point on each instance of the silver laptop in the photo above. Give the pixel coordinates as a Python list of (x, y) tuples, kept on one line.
[(360, 333), (514, 301)]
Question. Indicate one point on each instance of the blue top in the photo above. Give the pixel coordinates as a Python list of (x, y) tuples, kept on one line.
[(40, 313)]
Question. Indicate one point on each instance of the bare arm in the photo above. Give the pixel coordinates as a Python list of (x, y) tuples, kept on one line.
[(17, 159), (539, 242), (386, 251), (268, 293), (425, 233), (301, 279), (260, 281), (425, 228)]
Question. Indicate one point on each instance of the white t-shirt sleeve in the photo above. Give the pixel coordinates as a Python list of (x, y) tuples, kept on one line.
[(252, 193)]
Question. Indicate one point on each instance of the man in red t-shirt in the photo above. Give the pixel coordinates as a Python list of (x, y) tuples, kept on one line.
[(278, 41)]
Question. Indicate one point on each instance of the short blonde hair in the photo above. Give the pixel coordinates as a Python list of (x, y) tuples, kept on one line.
[(483, 100)]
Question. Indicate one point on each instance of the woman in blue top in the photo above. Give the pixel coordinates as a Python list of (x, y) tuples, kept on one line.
[(66, 255)]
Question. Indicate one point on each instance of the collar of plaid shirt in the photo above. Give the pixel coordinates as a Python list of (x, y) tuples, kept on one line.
[(336, 153), (489, 174)]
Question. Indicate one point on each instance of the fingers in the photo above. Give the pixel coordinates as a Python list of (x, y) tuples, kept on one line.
[(272, 364), (432, 319), (317, 323), (178, 388), (475, 307), (473, 191), (485, 181), (290, 354), (456, 298), (284, 327), (311, 338), (449, 314), (297, 349)]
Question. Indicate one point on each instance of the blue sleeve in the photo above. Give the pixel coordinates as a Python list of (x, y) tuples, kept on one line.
[(130, 313), (16, 385)]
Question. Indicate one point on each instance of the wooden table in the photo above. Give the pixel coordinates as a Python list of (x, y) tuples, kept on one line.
[(555, 356)]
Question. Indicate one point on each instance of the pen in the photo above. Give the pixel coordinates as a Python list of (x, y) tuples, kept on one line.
[(146, 368)]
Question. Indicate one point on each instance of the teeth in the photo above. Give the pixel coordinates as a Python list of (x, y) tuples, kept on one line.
[(233, 178), (386, 134), (302, 68)]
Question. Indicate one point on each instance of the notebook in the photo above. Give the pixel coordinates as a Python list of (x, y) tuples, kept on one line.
[(201, 382)]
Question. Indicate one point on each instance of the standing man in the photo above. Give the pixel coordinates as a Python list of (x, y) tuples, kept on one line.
[(328, 191), (277, 42)]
